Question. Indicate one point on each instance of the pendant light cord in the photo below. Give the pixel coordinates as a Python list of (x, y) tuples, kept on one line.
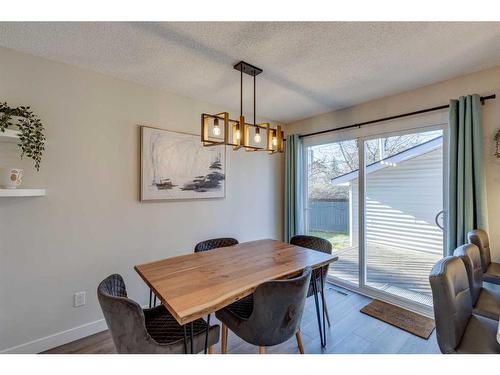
[(254, 112), (241, 92)]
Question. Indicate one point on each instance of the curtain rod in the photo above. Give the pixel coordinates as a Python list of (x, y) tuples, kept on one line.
[(358, 125)]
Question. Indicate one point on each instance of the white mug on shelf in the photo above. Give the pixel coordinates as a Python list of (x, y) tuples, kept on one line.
[(10, 178)]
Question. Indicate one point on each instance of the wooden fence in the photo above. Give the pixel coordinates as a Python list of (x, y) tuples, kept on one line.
[(329, 216)]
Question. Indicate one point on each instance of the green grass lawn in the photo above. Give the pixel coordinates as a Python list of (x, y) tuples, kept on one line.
[(338, 240)]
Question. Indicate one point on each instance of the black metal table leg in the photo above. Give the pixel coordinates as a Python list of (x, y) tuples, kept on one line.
[(323, 304), (150, 297), (185, 340), (206, 333), (155, 301), (191, 333), (315, 292)]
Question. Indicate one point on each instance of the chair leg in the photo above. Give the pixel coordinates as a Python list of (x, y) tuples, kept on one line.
[(262, 350), (211, 349), (299, 342), (327, 316), (223, 341)]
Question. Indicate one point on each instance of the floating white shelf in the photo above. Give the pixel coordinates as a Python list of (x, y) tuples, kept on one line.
[(12, 136), (22, 192), (9, 135)]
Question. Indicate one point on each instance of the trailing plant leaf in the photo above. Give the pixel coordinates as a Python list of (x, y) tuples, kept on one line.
[(31, 137), (6, 114)]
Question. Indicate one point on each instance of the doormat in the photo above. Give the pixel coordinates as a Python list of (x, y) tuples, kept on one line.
[(407, 320)]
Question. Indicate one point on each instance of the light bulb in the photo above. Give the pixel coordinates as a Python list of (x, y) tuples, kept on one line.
[(275, 141), (216, 128), (238, 135), (256, 137)]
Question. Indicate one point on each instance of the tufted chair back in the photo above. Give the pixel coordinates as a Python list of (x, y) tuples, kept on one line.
[(124, 317), (214, 243), (472, 260), (277, 312), (480, 238), (314, 243), (452, 301)]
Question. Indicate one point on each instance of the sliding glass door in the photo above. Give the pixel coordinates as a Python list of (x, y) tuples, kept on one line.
[(330, 204), (379, 200), (403, 198)]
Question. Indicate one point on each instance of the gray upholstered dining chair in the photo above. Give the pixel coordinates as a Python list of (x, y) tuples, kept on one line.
[(458, 329), (148, 331), (318, 244), (215, 243), (271, 316), (486, 302), (491, 270)]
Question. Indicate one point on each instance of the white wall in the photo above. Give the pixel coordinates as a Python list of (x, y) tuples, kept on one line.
[(91, 223), (483, 83)]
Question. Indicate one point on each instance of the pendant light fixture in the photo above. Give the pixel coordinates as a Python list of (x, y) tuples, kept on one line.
[(219, 129)]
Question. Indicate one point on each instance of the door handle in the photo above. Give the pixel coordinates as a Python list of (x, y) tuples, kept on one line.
[(436, 220)]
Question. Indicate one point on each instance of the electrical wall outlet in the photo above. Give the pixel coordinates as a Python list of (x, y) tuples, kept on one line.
[(79, 299)]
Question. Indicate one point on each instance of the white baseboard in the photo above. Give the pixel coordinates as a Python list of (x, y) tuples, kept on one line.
[(57, 339)]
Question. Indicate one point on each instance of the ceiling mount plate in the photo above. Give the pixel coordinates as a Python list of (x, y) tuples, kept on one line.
[(248, 68)]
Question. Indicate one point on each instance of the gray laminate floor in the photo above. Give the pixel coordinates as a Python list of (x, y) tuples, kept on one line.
[(351, 332)]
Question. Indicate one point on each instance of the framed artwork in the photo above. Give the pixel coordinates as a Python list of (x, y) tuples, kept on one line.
[(176, 166)]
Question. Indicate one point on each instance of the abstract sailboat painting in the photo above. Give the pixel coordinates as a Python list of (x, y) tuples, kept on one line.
[(176, 166)]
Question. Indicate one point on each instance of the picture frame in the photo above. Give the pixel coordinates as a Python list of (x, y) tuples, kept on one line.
[(176, 166)]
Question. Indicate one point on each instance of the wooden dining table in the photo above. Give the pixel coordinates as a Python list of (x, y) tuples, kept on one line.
[(195, 285)]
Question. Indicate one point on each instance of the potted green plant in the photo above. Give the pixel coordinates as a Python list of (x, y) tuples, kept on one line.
[(31, 137)]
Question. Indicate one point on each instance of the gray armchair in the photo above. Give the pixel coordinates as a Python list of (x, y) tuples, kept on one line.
[(486, 302), (491, 270), (148, 331), (271, 316), (458, 329)]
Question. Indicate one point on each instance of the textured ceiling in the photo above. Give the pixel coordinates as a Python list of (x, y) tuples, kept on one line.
[(309, 68)]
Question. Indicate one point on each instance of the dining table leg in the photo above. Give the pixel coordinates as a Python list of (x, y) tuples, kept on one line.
[(316, 302), (323, 303), (150, 297), (206, 334), (191, 334), (191, 337), (185, 340)]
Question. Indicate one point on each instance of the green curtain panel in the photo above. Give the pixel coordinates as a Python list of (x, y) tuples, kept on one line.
[(467, 208), (293, 223)]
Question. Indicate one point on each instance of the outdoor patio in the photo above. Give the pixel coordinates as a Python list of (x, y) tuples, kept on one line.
[(397, 271)]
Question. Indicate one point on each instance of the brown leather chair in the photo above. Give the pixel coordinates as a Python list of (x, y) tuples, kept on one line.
[(458, 329), (491, 270), (486, 302)]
